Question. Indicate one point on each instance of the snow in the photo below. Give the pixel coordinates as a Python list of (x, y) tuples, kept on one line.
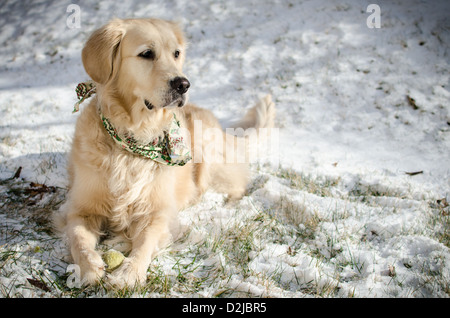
[(357, 108)]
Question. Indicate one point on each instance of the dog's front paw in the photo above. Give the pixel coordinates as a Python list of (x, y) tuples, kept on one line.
[(92, 276), (92, 267), (129, 274)]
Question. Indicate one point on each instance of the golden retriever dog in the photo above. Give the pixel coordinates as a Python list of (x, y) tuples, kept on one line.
[(141, 92)]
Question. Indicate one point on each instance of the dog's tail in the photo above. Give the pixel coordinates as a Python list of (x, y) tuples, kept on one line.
[(242, 146), (262, 115), (254, 133)]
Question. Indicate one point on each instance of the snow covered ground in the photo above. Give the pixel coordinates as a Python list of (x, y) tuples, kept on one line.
[(351, 203)]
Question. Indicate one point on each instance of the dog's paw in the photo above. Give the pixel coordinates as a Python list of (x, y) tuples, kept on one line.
[(92, 277), (129, 274), (92, 268)]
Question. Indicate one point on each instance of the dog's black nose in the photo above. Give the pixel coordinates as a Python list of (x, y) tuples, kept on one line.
[(180, 85)]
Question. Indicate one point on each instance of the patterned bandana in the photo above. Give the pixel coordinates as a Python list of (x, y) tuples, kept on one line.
[(170, 149), (84, 91)]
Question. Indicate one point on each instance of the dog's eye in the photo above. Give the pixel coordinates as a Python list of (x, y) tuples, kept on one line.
[(176, 54), (148, 54)]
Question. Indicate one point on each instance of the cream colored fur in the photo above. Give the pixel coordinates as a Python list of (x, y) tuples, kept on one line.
[(132, 198)]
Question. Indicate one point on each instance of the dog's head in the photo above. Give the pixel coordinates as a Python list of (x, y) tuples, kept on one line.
[(141, 61)]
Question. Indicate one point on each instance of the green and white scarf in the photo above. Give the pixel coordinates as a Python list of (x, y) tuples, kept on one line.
[(169, 149), (84, 91)]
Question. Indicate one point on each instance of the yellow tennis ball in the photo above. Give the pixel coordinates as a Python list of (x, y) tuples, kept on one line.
[(113, 259)]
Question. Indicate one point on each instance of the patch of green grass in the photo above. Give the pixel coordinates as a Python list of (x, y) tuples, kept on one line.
[(362, 191), (317, 185), (439, 220)]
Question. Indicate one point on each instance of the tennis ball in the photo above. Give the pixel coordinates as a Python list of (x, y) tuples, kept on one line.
[(113, 259)]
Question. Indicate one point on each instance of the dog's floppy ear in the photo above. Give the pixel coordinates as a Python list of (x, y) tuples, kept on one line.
[(101, 49), (179, 34)]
